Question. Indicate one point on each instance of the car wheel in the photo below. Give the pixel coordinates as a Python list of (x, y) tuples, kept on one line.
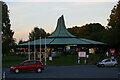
[(17, 71), (102, 65), (115, 65), (39, 70)]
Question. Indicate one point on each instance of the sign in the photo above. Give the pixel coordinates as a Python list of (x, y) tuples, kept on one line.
[(90, 50), (67, 48), (82, 54), (107, 53), (112, 51), (87, 56), (72, 45), (50, 58)]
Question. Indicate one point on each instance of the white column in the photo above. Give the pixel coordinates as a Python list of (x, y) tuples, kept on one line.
[(40, 49), (45, 51), (34, 50), (29, 50)]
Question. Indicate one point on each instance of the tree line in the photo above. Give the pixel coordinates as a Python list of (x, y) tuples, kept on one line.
[(109, 34)]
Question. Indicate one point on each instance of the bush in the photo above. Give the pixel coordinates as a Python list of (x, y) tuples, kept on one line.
[(65, 53)]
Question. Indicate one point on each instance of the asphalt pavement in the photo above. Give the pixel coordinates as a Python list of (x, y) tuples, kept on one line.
[(67, 72)]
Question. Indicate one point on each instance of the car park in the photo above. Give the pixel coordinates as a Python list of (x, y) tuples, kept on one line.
[(108, 62), (28, 65)]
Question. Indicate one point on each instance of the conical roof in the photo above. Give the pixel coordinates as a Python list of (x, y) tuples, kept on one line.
[(61, 30), (62, 37)]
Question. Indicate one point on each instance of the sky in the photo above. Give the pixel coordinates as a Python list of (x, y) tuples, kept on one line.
[(25, 16)]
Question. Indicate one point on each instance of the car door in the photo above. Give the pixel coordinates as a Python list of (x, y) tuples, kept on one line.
[(24, 66), (108, 62), (32, 65), (113, 62)]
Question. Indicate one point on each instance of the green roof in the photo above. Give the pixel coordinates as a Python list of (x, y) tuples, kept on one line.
[(61, 30), (61, 36), (59, 41)]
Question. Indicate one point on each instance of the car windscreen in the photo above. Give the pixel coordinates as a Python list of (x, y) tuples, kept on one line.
[(113, 60), (104, 60)]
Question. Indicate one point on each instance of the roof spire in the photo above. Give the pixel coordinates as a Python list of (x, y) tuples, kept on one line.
[(61, 30)]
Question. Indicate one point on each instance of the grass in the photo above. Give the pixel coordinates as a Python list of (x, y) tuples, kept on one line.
[(64, 60), (10, 60), (72, 60)]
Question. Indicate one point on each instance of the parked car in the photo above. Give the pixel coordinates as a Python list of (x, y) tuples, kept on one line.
[(107, 62), (28, 65)]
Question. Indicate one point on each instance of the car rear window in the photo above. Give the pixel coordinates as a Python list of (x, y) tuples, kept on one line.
[(37, 62), (33, 62), (25, 63)]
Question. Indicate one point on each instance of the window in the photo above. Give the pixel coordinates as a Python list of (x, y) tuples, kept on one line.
[(113, 59), (33, 62), (25, 63), (107, 60)]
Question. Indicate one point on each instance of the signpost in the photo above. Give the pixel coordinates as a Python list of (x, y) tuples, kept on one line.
[(81, 54)]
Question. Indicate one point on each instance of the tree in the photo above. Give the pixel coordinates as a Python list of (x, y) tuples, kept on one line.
[(112, 35), (37, 33), (114, 20), (92, 31), (21, 41), (8, 42)]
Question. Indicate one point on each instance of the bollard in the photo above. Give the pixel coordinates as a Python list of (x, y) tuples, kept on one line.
[(85, 61), (4, 76), (78, 60)]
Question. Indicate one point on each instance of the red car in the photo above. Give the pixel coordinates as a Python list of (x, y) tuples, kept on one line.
[(28, 65)]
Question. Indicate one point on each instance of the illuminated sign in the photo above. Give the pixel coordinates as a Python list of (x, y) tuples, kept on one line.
[(72, 45)]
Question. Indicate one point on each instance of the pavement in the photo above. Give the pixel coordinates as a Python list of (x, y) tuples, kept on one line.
[(81, 72)]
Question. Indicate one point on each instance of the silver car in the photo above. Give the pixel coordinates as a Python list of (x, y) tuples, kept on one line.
[(107, 62)]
